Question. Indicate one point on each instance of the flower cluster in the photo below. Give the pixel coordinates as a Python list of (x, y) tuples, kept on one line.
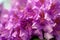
[(20, 19)]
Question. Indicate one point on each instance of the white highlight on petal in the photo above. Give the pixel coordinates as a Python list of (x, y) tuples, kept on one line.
[(29, 1), (21, 34), (1, 25), (48, 36), (9, 26), (47, 17), (5, 16), (33, 26), (58, 13), (49, 28), (14, 34), (36, 0)]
